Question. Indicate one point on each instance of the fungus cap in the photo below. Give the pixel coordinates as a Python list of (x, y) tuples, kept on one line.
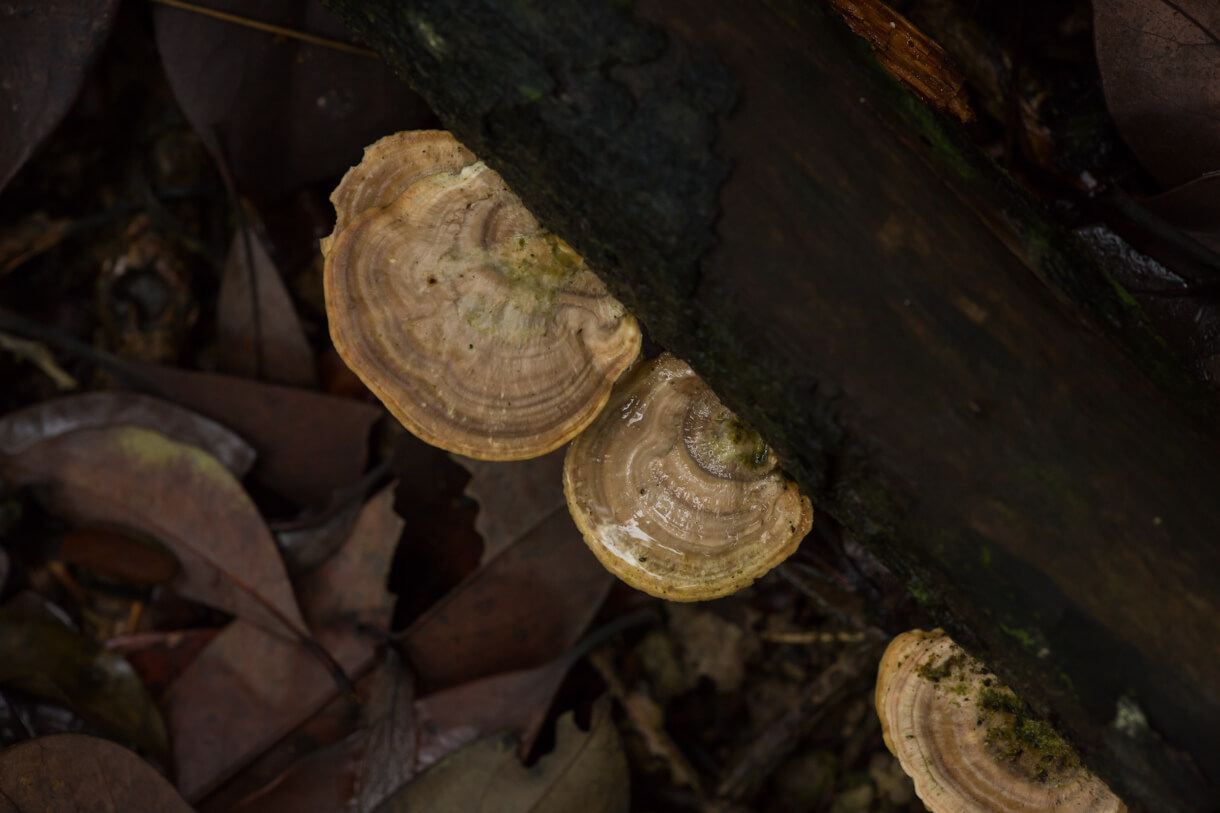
[(675, 495), (388, 167), (966, 741), (482, 333)]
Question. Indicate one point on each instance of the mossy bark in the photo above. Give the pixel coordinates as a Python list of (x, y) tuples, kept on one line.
[(943, 369)]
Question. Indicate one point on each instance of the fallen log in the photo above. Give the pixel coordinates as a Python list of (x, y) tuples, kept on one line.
[(946, 372)]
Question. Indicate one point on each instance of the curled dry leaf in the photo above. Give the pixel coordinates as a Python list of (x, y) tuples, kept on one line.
[(512, 496), (74, 773), (308, 444), (516, 702), (286, 113), (46, 46), (259, 332), (247, 688), (585, 772), (1160, 68), (26, 427), (521, 609), (48, 660), (134, 478), (307, 544)]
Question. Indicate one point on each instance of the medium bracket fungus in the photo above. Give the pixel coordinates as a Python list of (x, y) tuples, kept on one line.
[(675, 495), (966, 740), (480, 331)]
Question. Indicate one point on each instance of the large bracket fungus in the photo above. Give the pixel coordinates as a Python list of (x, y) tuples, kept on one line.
[(966, 741), (675, 495), (481, 332)]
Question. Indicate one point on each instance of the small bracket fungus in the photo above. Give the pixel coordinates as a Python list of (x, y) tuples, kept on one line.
[(966, 740), (675, 495), (482, 333)]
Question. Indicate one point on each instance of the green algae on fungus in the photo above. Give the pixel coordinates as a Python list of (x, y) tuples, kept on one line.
[(968, 742)]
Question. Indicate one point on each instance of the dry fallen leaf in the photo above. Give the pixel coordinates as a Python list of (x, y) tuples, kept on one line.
[(48, 660), (586, 772), (1193, 207), (247, 688), (258, 332), (125, 557), (357, 774), (1160, 68), (513, 497), (285, 112), (21, 429), (523, 608), (46, 47), (309, 444), (133, 478), (160, 657), (73, 773), (516, 702)]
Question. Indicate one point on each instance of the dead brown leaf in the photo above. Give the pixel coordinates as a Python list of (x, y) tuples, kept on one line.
[(285, 112), (259, 333), (1193, 207), (336, 721), (357, 774), (22, 429), (160, 657), (48, 660), (248, 688), (134, 478), (46, 46), (1160, 67), (523, 608), (74, 773), (516, 702), (309, 444), (586, 772), (122, 556), (512, 497)]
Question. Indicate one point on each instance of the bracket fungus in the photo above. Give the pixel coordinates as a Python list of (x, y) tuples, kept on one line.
[(966, 740), (481, 332), (675, 495)]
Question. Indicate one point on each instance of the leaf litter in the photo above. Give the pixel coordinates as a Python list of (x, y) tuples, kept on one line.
[(283, 112), (45, 50), (22, 429), (74, 773), (248, 688), (587, 771), (259, 333), (135, 478), (43, 657)]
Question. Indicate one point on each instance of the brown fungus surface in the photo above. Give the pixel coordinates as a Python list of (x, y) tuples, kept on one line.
[(389, 167), (675, 495), (968, 742), (482, 333)]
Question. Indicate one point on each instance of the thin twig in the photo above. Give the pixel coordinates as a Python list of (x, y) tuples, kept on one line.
[(271, 28)]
